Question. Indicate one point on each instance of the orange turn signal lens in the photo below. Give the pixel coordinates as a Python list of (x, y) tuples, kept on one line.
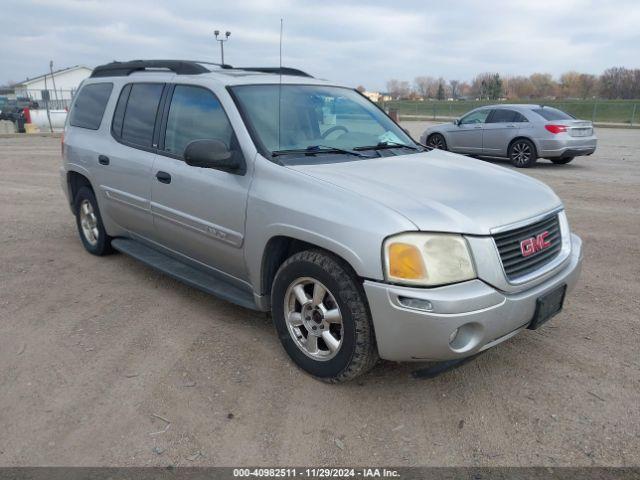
[(405, 261)]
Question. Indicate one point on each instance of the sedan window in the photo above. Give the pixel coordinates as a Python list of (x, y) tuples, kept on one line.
[(479, 116), (550, 113), (502, 115)]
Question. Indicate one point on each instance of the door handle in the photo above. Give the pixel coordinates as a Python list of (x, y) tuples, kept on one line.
[(511, 126), (103, 160), (478, 126), (163, 177)]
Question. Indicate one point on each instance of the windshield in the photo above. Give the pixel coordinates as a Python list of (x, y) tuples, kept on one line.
[(317, 120)]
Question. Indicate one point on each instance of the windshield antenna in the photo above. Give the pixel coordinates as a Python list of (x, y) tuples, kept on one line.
[(280, 89)]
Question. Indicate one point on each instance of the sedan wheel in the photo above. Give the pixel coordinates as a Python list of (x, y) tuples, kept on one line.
[(522, 154), (437, 141)]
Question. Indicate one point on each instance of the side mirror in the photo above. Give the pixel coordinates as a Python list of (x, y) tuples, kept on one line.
[(212, 154), (456, 121)]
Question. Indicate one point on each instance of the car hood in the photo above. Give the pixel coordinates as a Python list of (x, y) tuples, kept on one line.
[(442, 191)]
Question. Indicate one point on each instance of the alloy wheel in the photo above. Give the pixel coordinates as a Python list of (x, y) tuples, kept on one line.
[(436, 141), (521, 153), (89, 223), (313, 318)]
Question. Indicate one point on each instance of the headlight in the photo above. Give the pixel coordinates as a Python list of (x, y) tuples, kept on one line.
[(427, 259)]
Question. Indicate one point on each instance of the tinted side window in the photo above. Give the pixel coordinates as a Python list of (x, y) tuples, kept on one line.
[(549, 113), (89, 107), (118, 115), (502, 115), (140, 113), (520, 118), (195, 114)]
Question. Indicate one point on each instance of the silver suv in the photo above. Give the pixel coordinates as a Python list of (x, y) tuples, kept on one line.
[(287, 194)]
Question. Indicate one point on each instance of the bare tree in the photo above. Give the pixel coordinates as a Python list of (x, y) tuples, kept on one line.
[(398, 88), (587, 85), (620, 82), (426, 87), (453, 87), (544, 86)]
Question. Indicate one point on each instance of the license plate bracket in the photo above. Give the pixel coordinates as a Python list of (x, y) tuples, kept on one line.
[(547, 306)]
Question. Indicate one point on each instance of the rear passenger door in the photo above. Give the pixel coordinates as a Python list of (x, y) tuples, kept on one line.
[(125, 170), (501, 127), (198, 212)]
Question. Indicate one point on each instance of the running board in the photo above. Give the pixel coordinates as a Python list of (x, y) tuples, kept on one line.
[(192, 276)]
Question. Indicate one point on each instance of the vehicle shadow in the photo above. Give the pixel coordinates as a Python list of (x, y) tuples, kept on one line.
[(541, 164)]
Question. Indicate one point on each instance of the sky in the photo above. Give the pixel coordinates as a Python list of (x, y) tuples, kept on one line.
[(349, 42)]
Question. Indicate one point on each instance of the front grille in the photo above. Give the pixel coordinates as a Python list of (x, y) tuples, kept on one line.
[(514, 262)]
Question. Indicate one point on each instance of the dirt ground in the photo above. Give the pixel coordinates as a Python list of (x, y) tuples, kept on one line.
[(103, 361)]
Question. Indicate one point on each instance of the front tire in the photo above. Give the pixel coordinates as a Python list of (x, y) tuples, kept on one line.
[(322, 317), (437, 141), (522, 153), (89, 222), (561, 161)]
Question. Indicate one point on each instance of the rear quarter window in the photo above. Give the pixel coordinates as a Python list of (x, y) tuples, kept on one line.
[(89, 106), (549, 113), (140, 113)]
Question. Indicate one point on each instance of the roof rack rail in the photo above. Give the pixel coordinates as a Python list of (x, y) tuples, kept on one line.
[(277, 70), (180, 67)]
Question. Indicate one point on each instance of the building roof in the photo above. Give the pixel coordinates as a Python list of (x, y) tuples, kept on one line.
[(48, 74)]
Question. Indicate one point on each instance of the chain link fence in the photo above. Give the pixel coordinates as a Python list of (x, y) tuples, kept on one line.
[(41, 99), (615, 112)]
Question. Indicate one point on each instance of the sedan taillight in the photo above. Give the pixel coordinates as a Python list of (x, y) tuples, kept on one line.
[(556, 128)]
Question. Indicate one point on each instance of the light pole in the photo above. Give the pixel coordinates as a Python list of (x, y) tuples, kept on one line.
[(227, 34)]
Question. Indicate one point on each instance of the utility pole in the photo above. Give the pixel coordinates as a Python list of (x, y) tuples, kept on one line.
[(55, 92), (227, 34)]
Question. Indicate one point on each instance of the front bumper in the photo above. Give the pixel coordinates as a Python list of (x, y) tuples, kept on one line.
[(487, 316)]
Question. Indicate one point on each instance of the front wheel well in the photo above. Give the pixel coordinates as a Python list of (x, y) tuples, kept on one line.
[(278, 249), (76, 181)]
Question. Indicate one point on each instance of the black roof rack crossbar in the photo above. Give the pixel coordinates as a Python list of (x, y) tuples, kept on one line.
[(180, 67), (277, 70)]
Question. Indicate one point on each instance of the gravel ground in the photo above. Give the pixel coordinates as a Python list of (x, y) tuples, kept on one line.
[(103, 361)]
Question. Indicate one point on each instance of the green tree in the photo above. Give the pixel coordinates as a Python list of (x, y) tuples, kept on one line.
[(440, 92)]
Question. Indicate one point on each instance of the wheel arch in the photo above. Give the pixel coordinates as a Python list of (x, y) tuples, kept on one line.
[(75, 181), (279, 248)]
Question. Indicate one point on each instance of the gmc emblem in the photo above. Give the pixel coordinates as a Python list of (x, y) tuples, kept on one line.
[(534, 244)]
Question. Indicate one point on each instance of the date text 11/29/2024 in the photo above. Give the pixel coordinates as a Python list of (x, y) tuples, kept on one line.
[(316, 472)]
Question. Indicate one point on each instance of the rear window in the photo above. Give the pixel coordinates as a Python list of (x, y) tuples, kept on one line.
[(550, 113), (139, 113), (89, 106)]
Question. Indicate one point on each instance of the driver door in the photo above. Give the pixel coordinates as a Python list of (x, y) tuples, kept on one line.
[(198, 212), (466, 136)]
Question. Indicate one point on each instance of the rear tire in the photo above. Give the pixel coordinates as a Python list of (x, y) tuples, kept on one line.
[(89, 222), (437, 141), (327, 332), (561, 161), (522, 153)]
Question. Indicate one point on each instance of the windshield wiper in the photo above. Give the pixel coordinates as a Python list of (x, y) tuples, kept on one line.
[(386, 144), (313, 149)]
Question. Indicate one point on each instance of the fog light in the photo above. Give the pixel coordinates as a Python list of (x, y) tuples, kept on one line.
[(466, 337), (416, 303)]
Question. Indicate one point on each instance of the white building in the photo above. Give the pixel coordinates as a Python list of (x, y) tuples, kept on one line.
[(66, 82)]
